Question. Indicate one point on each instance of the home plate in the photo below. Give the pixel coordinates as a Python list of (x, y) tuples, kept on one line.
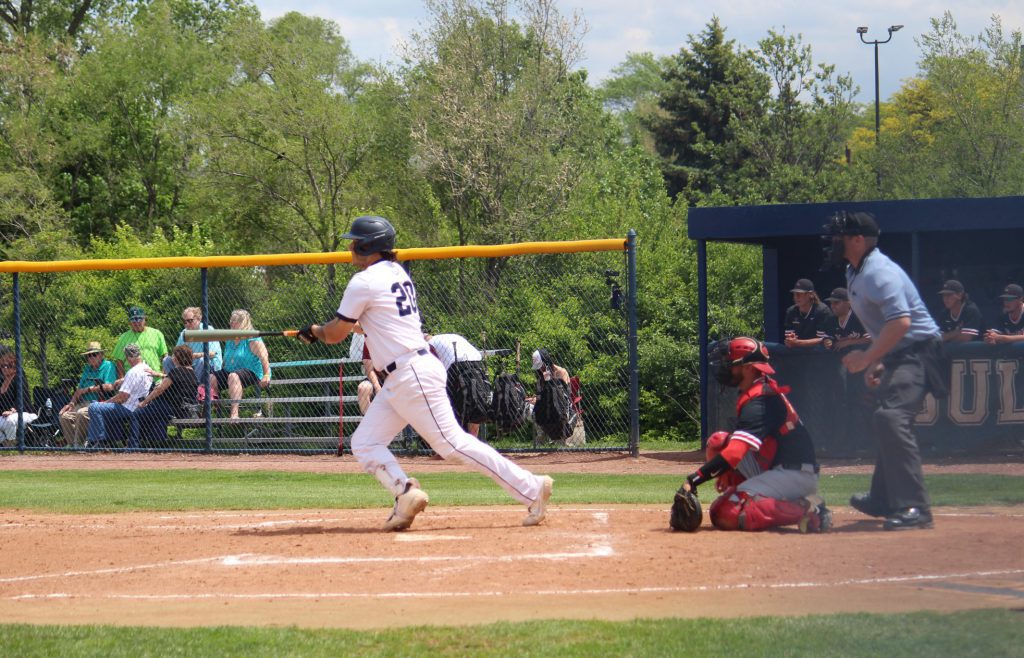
[(412, 538)]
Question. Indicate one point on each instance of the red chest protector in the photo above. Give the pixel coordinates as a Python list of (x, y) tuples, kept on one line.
[(770, 444)]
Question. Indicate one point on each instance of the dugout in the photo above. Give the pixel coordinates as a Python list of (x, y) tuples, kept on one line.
[(978, 241)]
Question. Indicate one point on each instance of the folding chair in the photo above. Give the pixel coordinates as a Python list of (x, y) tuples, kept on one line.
[(44, 431)]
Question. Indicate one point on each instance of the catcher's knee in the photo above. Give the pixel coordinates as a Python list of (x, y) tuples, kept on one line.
[(714, 444), (725, 511)]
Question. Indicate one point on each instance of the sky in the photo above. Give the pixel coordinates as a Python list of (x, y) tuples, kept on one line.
[(375, 29)]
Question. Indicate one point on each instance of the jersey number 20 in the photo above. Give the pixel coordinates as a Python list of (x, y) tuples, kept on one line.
[(405, 298)]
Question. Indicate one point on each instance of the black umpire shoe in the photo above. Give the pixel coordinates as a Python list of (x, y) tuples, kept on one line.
[(863, 503), (911, 517)]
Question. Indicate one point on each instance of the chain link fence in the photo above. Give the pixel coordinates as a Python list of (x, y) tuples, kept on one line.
[(55, 318)]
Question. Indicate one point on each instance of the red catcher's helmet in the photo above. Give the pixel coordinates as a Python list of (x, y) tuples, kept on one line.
[(736, 352)]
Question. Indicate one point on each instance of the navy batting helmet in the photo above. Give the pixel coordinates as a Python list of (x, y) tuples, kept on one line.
[(372, 235)]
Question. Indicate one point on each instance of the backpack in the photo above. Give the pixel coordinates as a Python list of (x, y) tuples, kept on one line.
[(554, 411), (469, 391), (508, 406)]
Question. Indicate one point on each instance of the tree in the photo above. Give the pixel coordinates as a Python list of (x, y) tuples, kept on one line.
[(794, 149), (127, 153), (632, 92), (708, 86), (959, 131), (499, 120), (296, 143)]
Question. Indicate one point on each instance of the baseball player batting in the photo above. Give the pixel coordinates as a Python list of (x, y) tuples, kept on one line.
[(382, 299)]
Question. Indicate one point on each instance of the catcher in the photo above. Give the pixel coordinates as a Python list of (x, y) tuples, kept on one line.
[(765, 469)]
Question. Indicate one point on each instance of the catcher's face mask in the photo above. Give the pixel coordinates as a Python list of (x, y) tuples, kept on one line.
[(726, 355)]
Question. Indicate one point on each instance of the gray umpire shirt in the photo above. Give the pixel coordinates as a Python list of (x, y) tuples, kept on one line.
[(881, 291)]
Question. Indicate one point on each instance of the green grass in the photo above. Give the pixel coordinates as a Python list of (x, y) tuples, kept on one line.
[(972, 633), (77, 491)]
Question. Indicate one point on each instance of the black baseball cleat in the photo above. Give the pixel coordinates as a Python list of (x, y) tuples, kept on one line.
[(863, 503), (911, 517)]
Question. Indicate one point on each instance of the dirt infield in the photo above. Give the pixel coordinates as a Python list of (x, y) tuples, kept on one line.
[(319, 568)]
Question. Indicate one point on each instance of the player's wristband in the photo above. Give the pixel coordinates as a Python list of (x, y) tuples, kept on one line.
[(710, 470)]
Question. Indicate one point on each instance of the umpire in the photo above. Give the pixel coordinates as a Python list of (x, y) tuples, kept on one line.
[(902, 364)]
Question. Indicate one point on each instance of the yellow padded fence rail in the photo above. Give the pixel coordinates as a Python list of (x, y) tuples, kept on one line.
[(419, 253)]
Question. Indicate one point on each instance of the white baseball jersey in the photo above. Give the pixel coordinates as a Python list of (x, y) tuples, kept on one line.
[(382, 299), (453, 347)]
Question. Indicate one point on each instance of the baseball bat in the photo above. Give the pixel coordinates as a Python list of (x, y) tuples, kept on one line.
[(207, 335)]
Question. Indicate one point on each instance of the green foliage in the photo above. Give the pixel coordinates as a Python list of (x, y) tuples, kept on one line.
[(957, 132), (709, 84)]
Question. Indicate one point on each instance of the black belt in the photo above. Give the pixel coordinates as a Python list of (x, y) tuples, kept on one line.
[(390, 368), (800, 467)]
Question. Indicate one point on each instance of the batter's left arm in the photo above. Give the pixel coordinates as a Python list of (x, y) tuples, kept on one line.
[(335, 331)]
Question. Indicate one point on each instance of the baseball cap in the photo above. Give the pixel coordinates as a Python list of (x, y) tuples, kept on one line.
[(132, 349), (538, 361), (92, 347), (136, 313), (838, 295), (1012, 291), (952, 286), (803, 285)]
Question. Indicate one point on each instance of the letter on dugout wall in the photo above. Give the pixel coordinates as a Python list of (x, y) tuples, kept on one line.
[(978, 410)]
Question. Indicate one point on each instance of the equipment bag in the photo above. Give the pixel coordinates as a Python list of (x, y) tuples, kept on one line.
[(554, 411), (469, 391), (508, 406)]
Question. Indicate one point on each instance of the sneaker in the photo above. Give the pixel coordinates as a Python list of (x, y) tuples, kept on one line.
[(407, 506), (817, 519), (911, 517), (539, 508)]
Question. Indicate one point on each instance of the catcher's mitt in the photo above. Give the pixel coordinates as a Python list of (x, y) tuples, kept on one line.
[(686, 512)]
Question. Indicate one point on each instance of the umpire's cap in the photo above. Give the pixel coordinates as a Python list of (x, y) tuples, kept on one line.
[(372, 234)]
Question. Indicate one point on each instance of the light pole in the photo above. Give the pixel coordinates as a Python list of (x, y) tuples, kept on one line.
[(862, 31)]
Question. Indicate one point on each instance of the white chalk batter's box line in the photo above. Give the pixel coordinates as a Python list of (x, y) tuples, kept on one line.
[(894, 580)]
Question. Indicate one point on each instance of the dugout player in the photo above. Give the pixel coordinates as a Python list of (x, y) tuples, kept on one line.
[(960, 320), (766, 468), (1010, 328), (382, 299), (844, 331), (807, 320), (902, 364)]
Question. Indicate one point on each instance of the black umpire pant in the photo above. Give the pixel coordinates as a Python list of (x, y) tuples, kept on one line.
[(910, 373)]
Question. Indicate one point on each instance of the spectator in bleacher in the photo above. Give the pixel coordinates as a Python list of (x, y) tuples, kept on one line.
[(844, 331), (167, 400), (74, 416), (1010, 328), (192, 318), (468, 387), (10, 383), (246, 362), (807, 319), (151, 341), (131, 390), (960, 321)]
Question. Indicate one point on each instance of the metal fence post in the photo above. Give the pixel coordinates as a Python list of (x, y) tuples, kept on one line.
[(702, 333), (634, 358), (19, 375), (208, 402)]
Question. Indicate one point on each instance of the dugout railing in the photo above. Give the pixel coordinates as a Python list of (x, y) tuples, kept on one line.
[(577, 299)]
